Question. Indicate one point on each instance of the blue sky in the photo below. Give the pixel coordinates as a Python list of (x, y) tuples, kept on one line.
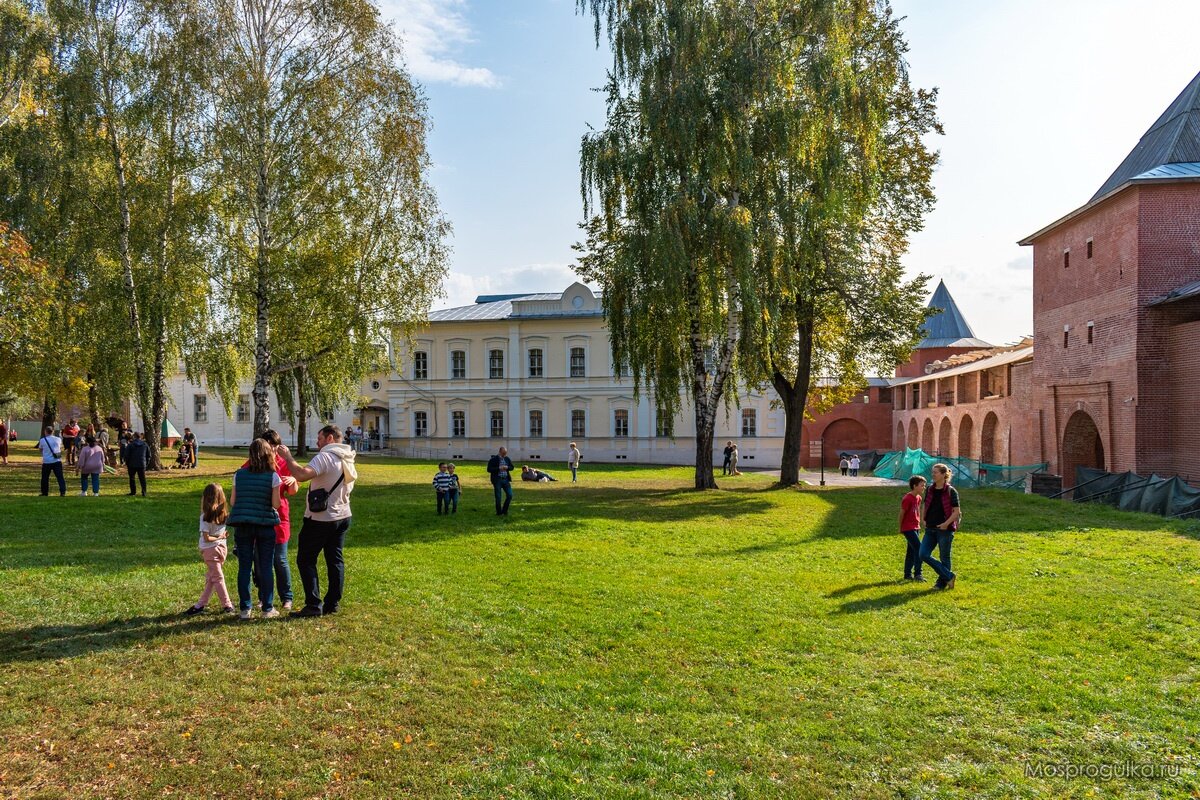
[(1041, 99)]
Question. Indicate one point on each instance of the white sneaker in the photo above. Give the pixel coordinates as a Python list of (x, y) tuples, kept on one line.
[(274, 612), (83, 494), (244, 614)]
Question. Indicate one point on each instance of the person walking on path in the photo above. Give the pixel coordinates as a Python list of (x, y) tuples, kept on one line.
[(3, 443), (52, 448), (910, 527), (942, 514), (283, 531), (855, 463), (331, 475), (137, 454), (725, 465), (91, 464), (255, 502), (213, 549), (844, 465), (573, 459), (500, 468)]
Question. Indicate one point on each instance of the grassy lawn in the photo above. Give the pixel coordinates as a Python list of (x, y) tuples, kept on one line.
[(625, 637)]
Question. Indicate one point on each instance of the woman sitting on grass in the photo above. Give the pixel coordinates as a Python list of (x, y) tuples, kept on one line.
[(255, 500)]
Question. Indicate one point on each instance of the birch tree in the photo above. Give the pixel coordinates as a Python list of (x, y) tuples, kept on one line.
[(331, 236), (664, 182), (843, 179)]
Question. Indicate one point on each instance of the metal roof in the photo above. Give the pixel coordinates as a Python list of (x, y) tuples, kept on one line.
[(1166, 172), (500, 306), (1188, 290), (998, 360), (948, 327), (1173, 138)]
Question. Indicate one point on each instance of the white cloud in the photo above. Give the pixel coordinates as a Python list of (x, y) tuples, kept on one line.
[(433, 30), (1022, 262), (462, 289)]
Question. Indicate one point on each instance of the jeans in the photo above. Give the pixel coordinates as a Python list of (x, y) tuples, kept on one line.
[(83, 482), (255, 547), (443, 501), (943, 540), (57, 469), (505, 488), (574, 474), (315, 537), (912, 556), (140, 474), (283, 572), (725, 466), (451, 501)]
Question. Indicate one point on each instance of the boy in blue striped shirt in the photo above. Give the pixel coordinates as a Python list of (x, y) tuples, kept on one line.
[(443, 482)]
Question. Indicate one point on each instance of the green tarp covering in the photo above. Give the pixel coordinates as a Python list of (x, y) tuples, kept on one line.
[(968, 472), (168, 430), (1128, 491)]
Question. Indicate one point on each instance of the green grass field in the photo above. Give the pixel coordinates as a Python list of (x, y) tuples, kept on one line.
[(625, 637)]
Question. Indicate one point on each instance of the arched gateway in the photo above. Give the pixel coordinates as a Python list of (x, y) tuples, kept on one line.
[(1082, 446)]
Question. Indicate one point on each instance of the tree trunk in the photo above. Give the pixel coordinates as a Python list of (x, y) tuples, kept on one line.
[(794, 397), (705, 429), (49, 412), (262, 308), (301, 413), (158, 385), (94, 404)]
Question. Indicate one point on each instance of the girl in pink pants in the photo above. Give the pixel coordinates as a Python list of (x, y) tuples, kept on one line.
[(213, 513)]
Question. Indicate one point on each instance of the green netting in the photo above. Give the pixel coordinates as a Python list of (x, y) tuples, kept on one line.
[(1128, 491), (968, 472)]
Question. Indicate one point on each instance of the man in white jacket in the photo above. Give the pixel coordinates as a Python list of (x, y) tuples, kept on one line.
[(326, 518)]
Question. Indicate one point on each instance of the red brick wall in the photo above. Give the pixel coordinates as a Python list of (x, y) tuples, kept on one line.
[(1184, 414), (875, 416), (926, 356)]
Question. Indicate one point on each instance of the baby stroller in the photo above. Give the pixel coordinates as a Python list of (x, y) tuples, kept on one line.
[(184, 458)]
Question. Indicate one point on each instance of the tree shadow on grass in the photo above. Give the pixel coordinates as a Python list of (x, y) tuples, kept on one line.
[(539, 509), (53, 642)]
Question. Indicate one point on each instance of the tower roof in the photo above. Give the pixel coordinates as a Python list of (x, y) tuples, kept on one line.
[(1174, 138), (948, 327)]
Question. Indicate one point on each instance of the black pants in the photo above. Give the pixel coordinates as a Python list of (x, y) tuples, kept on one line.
[(315, 537), (140, 472), (912, 555), (56, 468)]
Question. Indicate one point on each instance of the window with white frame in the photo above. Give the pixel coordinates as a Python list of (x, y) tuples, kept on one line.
[(458, 424), (535, 363), (199, 408), (535, 423), (243, 408), (495, 363), (497, 424), (578, 423), (749, 422), (578, 363), (458, 364), (420, 423), (620, 422), (420, 365)]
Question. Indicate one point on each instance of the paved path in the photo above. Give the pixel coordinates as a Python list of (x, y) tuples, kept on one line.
[(834, 478)]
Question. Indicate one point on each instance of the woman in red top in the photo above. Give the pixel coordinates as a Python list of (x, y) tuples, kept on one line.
[(283, 531)]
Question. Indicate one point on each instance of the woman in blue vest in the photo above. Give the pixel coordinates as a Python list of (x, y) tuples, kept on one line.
[(254, 515)]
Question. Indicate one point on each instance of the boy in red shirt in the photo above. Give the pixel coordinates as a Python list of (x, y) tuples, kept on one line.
[(910, 527)]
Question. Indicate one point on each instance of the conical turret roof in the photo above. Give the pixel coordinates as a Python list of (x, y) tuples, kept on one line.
[(1174, 138), (948, 327)]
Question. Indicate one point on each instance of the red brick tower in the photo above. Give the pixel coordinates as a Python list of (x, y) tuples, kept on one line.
[(1116, 312)]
